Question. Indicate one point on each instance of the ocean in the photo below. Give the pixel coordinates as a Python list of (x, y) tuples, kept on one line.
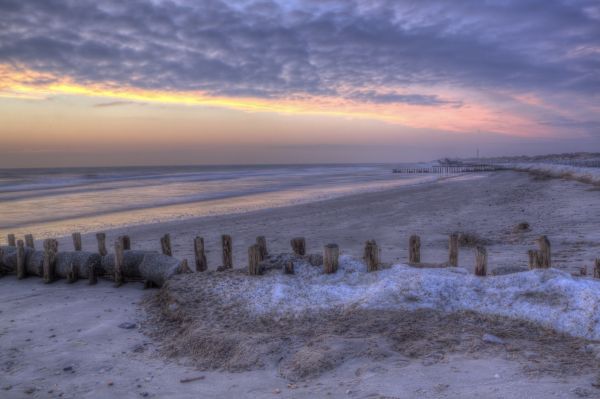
[(56, 202)]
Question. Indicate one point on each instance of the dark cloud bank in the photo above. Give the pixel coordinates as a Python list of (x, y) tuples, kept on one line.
[(312, 47)]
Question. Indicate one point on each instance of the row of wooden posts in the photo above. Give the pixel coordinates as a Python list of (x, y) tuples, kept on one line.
[(258, 252)]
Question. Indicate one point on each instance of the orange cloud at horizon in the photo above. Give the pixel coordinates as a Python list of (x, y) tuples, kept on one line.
[(471, 116)]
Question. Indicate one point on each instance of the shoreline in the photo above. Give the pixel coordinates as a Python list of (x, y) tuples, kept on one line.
[(489, 207)]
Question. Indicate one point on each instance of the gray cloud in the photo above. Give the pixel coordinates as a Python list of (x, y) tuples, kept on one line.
[(272, 49)]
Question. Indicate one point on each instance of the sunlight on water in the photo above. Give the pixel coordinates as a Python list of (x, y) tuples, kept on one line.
[(60, 201)]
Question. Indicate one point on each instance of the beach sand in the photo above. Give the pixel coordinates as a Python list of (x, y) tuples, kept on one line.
[(65, 341), (488, 205)]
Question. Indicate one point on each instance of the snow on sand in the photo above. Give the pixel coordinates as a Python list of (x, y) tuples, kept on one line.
[(551, 298)]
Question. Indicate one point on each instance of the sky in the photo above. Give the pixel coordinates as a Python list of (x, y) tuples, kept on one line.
[(147, 82)]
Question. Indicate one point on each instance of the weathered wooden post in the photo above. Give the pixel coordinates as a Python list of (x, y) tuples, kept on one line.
[(72, 273), (299, 246), (261, 241), (101, 238), (453, 250), (597, 268), (12, 241), (371, 256), (414, 249), (50, 250), (201, 263), (480, 261), (119, 257), (29, 241), (226, 242), (254, 260), (21, 272), (76, 241), (331, 253), (544, 253), (92, 277), (289, 267), (533, 259), (165, 244), (125, 242)]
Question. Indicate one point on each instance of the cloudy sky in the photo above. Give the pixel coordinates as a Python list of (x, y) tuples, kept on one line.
[(112, 82)]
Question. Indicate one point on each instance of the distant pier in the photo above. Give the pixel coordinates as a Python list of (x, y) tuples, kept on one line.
[(447, 169)]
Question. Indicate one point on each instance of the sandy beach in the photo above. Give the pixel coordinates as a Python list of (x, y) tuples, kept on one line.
[(487, 205), (65, 341)]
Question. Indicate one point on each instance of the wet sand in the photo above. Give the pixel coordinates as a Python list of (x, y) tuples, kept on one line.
[(489, 205)]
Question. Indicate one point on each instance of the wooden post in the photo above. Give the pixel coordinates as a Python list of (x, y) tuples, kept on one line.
[(165, 244), (72, 273), (480, 261), (21, 272), (299, 246), (414, 249), (125, 242), (331, 254), (453, 250), (119, 256), (254, 260), (227, 251), (50, 250), (544, 253), (261, 241), (12, 241), (289, 267), (92, 277), (597, 269), (77, 241), (534, 259), (101, 238), (29, 241), (201, 263), (371, 256)]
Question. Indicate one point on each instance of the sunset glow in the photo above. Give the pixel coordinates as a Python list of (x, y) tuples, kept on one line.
[(418, 82)]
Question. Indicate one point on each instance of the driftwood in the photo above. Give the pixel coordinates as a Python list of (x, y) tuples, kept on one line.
[(371, 256), (414, 249), (76, 264), (597, 268), (72, 265), (143, 265), (480, 261), (201, 263), (331, 254), (453, 250), (299, 246), (158, 268), (254, 268)]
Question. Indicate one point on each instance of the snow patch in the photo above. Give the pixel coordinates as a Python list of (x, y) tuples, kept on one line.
[(550, 297)]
